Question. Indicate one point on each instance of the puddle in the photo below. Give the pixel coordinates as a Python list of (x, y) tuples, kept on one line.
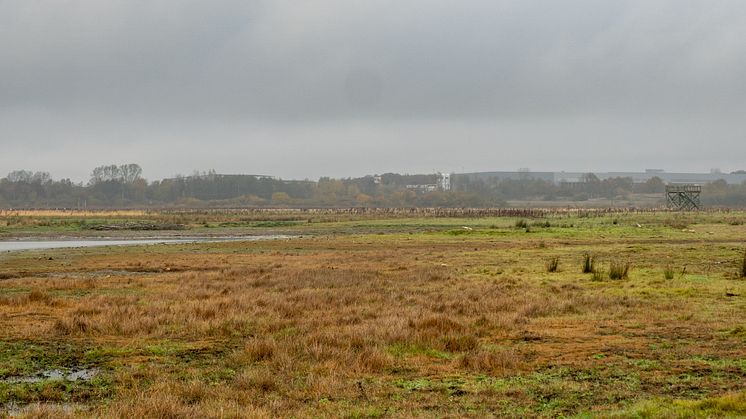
[(62, 244), (14, 409), (75, 374)]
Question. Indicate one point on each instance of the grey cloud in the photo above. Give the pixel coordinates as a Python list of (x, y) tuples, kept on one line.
[(257, 73)]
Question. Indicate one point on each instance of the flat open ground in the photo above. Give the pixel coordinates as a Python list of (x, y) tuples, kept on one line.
[(373, 316)]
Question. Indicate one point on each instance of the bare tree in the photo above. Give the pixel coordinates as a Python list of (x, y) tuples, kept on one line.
[(20, 176), (130, 172)]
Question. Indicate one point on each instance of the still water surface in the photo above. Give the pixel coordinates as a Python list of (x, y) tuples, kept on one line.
[(14, 245)]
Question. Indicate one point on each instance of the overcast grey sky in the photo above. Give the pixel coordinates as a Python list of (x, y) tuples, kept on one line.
[(302, 89)]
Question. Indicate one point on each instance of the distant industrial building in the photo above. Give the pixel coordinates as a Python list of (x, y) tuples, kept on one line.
[(443, 184), (521, 175), (637, 177)]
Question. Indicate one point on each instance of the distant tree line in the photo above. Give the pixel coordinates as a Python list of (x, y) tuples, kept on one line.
[(124, 186), (588, 187), (720, 193)]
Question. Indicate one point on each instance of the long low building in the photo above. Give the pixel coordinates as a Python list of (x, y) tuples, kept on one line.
[(637, 177)]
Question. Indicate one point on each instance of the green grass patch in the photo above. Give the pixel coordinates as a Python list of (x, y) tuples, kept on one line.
[(403, 350), (167, 348), (728, 406)]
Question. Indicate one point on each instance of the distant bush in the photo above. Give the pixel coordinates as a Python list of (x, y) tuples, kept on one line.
[(743, 265), (521, 224), (668, 272)]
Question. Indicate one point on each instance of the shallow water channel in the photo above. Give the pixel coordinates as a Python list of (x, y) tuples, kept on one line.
[(16, 245)]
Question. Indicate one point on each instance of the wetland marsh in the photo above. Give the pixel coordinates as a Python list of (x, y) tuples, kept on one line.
[(380, 315)]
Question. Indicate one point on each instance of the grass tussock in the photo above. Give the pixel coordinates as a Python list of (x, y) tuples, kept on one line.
[(588, 264), (33, 298), (262, 380), (71, 326), (668, 272), (260, 349), (618, 270), (552, 264), (460, 343), (163, 405), (494, 362)]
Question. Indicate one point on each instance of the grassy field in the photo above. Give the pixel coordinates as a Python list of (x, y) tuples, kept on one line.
[(379, 315)]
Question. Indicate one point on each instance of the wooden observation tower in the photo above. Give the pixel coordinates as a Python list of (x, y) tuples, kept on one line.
[(683, 197)]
